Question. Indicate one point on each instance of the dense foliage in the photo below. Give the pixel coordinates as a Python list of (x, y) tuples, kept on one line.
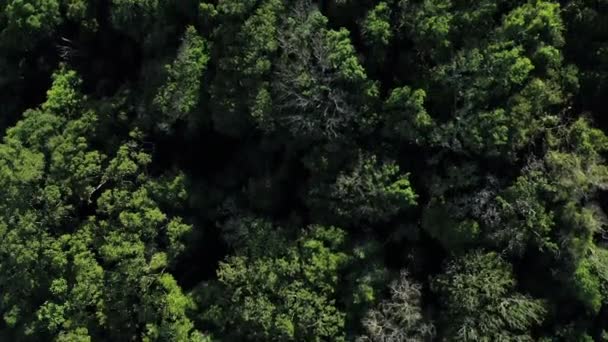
[(298, 170)]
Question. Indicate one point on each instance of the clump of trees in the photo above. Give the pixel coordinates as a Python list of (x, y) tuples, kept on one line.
[(337, 170)]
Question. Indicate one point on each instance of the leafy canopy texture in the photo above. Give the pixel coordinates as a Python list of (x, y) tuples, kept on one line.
[(69, 275), (303, 170), (481, 301)]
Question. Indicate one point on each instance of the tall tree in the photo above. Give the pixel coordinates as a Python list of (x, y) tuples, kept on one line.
[(481, 302), (279, 289)]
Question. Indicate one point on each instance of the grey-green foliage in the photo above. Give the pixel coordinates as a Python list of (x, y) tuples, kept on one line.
[(481, 303), (576, 172), (319, 83), (399, 318), (518, 218), (369, 191)]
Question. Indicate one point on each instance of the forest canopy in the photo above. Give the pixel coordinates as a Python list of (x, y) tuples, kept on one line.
[(299, 170)]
